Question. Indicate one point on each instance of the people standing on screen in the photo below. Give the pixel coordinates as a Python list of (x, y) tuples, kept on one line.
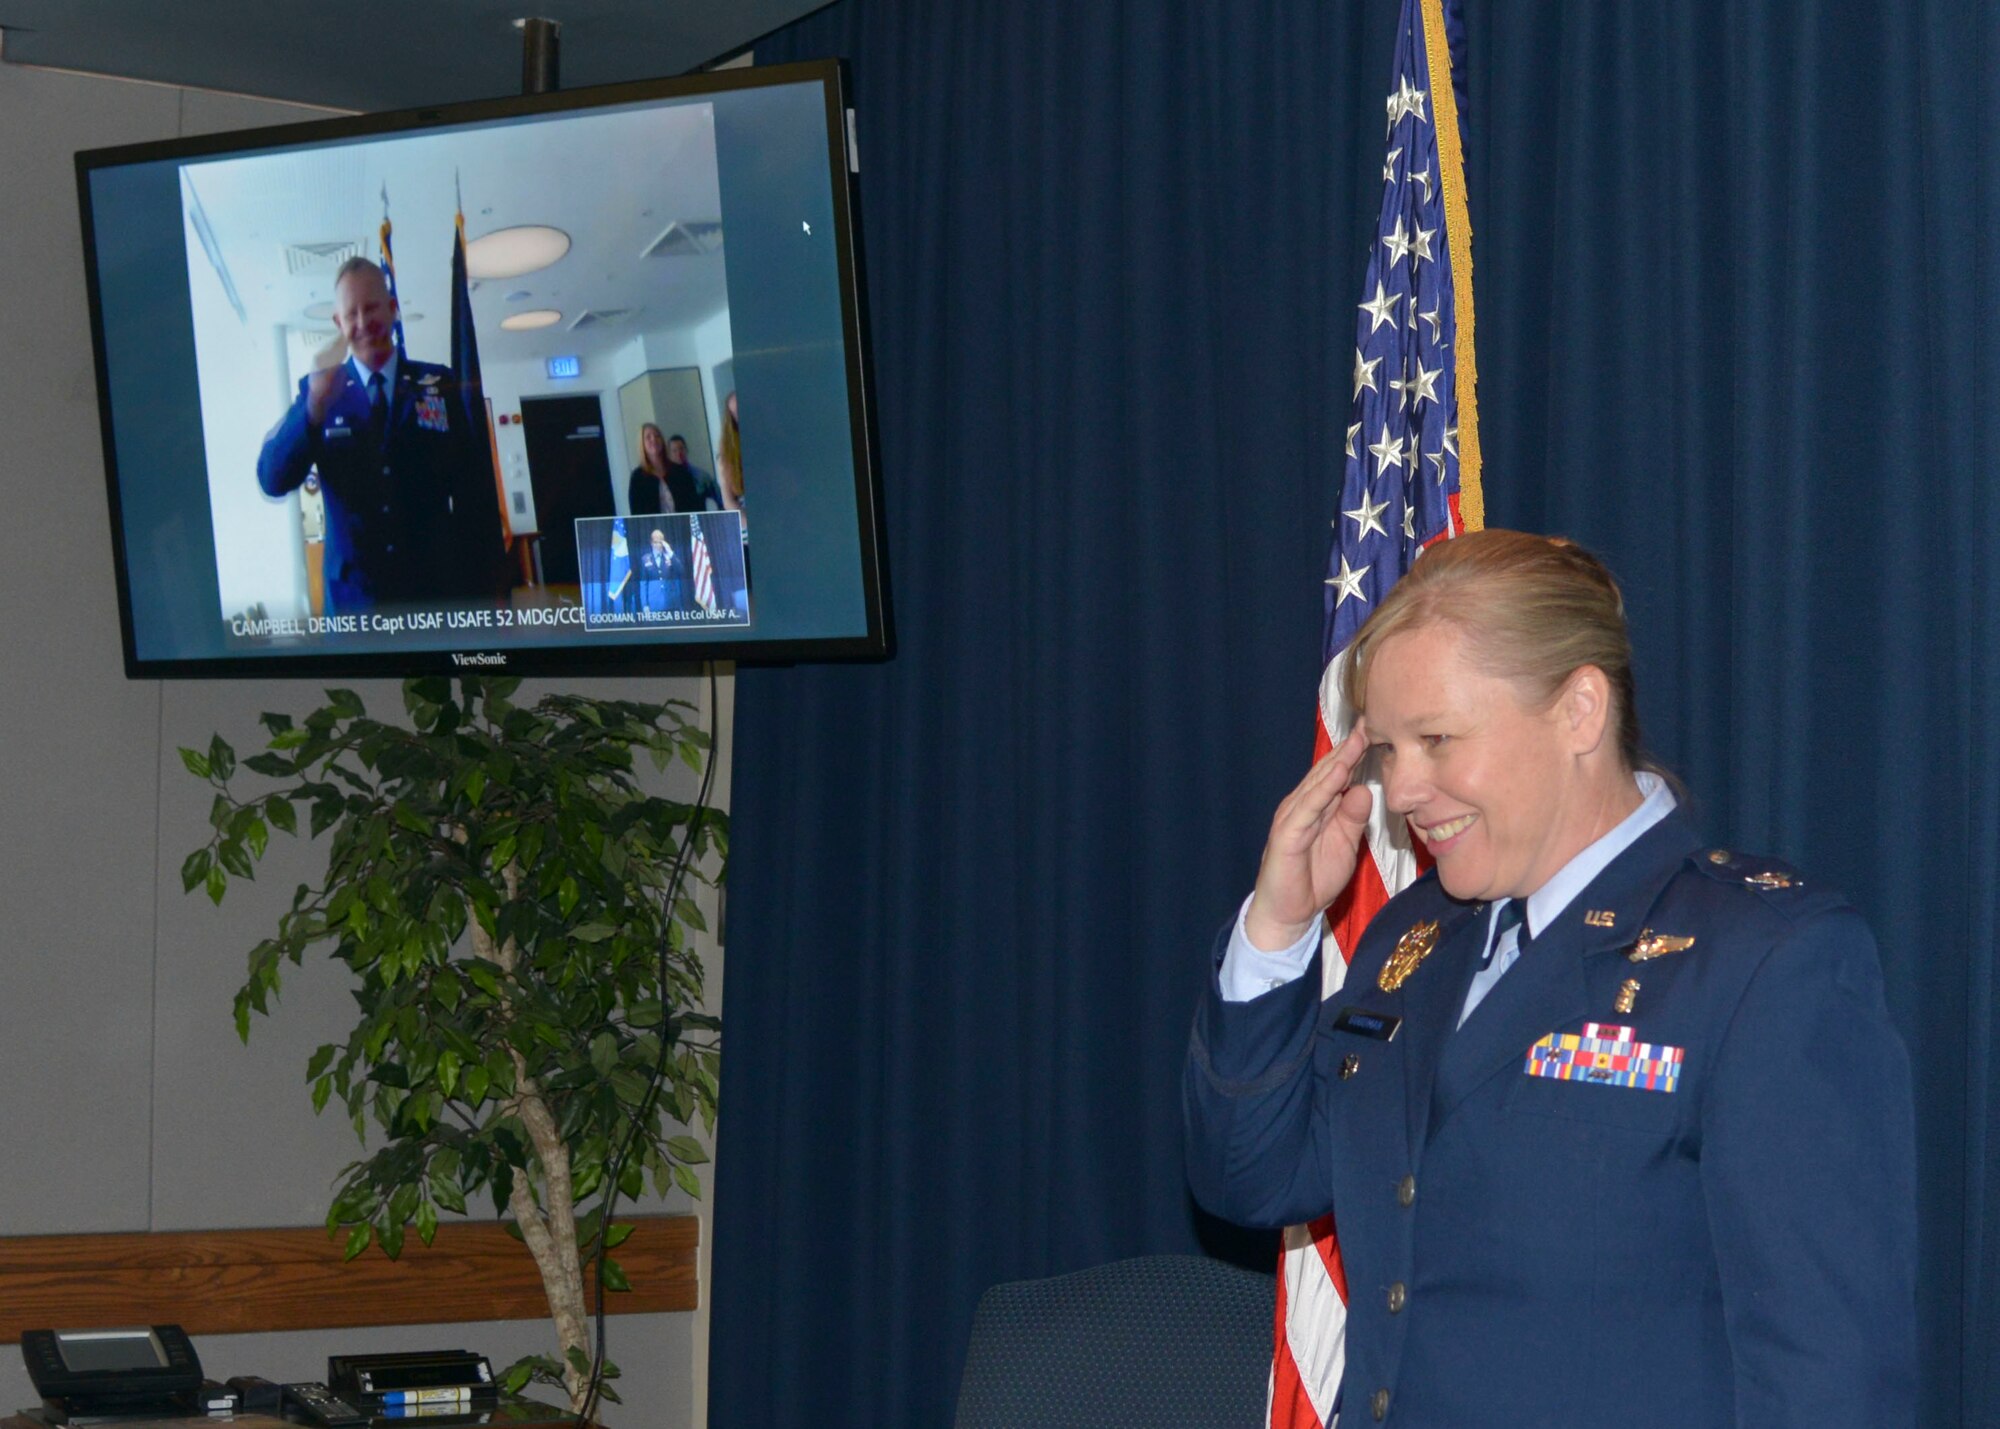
[(661, 587), (412, 512), (665, 481), (729, 462)]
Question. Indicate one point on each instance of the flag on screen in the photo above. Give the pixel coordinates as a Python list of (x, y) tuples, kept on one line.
[(488, 529), (464, 337), (621, 563), (1410, 477), (389, 266), (704, 570)]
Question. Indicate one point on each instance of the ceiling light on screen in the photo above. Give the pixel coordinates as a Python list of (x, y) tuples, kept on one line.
[(510, 252), (529, 321)]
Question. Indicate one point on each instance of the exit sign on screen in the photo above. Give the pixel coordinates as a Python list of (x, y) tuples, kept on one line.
[(565, 367)]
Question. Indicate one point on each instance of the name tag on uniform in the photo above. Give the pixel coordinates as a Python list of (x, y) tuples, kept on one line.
[(431, 414), (1608, 1057), (1362, 1023), (336, 432)]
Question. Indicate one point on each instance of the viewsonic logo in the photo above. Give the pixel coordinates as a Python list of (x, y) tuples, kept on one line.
[(482, 657)]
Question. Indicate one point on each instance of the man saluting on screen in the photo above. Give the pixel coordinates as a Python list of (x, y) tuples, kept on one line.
[(412, 516)]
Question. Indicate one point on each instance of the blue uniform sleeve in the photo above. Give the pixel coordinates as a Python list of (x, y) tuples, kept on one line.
[(1808, 1149), (288, 451), (1256, 1151)]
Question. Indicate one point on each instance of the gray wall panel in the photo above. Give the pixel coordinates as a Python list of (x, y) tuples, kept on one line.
[(126, 1101), (79, 743)]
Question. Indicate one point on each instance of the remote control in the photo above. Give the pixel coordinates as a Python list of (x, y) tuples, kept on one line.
[(317, 1404)]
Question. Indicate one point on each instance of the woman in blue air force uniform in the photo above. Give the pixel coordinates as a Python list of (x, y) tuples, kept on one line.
[(1650, 1163)]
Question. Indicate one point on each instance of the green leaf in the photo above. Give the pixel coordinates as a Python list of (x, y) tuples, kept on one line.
[(197, 764), (321, 1060), (322, 1089), (326, 813), (445, 1191), (290, 738), (686, 1148), (235, 858), (614, 1275), (447, 1072), (604, 1053), (258, 836), (357, 1241), (221, 758), (194, 868), (415, 822), (475, 1083), (618, 1236), (346, 704), (278, 809), (475, 785), (593, 932), (484, 976), (685, 1179), (218, 882), (427, 1222)]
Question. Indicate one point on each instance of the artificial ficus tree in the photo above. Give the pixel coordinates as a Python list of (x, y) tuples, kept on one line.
[(498, 883)]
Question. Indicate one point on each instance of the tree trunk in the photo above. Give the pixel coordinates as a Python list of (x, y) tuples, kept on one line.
[(548, 1227)]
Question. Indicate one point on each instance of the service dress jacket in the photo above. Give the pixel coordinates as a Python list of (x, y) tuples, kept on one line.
[(414, 520), (1700, 1211)]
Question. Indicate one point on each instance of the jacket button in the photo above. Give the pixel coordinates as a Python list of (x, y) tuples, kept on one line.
[(1379, 1405), (1399, 1296), (1406, 1192)]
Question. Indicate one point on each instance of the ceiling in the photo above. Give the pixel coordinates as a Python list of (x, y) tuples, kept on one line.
[(614, 182), (378, 54)]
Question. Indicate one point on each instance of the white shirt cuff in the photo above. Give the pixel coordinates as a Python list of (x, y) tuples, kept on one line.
[(1248, 971)]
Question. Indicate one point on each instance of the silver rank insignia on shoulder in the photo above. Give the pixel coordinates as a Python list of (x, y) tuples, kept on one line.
[(1657, 945), (1412, 948)]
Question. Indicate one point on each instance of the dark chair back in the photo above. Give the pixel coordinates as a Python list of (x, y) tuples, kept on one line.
[(1149, 1343)]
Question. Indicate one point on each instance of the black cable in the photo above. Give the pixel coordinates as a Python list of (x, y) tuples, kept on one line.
[(644, 1109)]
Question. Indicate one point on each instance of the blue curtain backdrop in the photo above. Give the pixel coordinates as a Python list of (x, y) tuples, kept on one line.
[(1736, 279)]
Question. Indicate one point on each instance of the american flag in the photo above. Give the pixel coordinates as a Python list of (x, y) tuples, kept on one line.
[(1411, 477), (389, 265), (704, 572)]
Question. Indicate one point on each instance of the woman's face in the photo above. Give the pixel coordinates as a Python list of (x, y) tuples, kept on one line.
[(655, 448), (1494, 788)]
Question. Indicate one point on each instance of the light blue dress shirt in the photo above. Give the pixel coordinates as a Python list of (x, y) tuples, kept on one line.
[(1248, 971)]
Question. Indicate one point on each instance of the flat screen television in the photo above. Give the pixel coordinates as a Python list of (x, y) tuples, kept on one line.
[(564, 382)]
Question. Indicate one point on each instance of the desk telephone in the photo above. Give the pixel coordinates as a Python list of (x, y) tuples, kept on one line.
[(153, 1370)]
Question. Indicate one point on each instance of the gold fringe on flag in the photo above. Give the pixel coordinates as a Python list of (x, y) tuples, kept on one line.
[(1458, 234)]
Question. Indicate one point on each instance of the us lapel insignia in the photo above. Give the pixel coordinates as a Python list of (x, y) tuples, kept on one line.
[(1412, 948), (1601, 918), (1657, 945)]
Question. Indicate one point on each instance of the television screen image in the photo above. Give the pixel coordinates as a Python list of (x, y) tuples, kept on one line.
[(656, 571), (402, 393)]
